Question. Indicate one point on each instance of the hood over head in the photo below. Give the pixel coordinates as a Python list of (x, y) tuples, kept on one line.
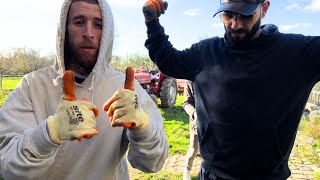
[(106, 42)]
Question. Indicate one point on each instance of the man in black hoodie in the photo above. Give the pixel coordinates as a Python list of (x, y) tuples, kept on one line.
[(252, 86)]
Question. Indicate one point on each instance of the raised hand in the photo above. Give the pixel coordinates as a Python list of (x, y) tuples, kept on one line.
[(153, 9), (74, 119), (123, 107)]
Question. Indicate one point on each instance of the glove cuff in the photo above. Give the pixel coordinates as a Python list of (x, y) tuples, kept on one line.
[(144, 121), (52, 131)]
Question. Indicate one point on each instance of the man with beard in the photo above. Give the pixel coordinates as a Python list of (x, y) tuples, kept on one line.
[(250, 92), (43, 119)]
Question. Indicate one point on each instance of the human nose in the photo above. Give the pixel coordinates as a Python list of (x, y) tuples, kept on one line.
[(236, 23), (88, 32)]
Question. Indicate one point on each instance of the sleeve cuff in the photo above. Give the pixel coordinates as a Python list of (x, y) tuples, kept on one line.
[(142, 134), (40, 142), (154, 27)]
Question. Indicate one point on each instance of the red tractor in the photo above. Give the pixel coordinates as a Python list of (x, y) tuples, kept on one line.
[(157, 86)]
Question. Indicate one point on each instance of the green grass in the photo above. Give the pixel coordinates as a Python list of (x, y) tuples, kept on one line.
[(3, 96), (162, 175), (316, 176), (9, 83), (311, 128), (176, 126)]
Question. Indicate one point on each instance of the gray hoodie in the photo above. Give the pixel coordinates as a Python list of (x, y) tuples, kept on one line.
[(26, 151)]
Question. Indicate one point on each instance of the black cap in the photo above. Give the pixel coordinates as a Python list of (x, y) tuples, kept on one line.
[(244, 7)]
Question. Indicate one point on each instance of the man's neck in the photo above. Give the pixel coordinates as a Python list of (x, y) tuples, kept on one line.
[(77, 68), (256, 35)]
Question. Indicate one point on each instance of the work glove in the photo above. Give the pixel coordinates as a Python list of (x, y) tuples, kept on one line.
[(152, 9), (74, 119), (123, 107)]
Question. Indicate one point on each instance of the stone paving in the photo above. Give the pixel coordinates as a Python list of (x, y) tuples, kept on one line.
[(301, 168)]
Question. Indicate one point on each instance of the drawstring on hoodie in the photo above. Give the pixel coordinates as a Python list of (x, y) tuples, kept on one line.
[(92, 82), (91, 89), (57, 80)]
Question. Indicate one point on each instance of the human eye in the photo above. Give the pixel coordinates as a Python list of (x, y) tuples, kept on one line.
[(228, 15), (98, 24), (246, 18), (78, 22)]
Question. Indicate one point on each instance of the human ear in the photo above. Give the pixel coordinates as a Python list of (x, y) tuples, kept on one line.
[(265, 7)]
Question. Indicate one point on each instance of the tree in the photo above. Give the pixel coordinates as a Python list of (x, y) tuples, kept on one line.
[(23, 60), (135, 60)]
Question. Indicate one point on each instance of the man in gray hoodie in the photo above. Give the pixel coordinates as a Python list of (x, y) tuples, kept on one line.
[(42, 118)]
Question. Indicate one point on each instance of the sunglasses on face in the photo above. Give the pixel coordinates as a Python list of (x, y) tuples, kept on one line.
[(228, 17), (245, 1)]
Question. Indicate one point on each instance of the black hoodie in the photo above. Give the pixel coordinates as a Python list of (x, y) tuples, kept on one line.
[(249, 99)]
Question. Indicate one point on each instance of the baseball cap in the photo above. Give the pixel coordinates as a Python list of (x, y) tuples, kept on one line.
[(244, 7)]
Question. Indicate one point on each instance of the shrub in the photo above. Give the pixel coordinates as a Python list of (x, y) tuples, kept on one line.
[(312, 128), (3, 96), (316, 175), (304, 121)]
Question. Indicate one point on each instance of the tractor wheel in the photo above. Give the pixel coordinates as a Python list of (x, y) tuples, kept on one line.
[(154, 99), (168, 92)]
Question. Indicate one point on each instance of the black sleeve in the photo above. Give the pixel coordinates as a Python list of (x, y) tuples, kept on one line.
[(312, 51), (184, 64)]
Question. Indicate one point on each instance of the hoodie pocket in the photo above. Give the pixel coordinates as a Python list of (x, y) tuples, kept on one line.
[(241, 150)]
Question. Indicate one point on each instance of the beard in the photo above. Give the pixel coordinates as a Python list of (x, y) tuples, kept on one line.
[(248, 35), (73, 55)]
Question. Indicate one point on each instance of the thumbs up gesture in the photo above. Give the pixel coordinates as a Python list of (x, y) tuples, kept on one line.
[(123, 107), (74, 119)]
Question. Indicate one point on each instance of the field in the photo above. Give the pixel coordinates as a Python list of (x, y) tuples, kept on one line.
[(9, 83), (176, 126)]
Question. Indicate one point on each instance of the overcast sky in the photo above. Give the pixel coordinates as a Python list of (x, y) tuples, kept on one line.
[(33, 23)]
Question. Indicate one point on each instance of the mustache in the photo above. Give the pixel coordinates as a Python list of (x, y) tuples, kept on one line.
[(237, 31), (88, 43)]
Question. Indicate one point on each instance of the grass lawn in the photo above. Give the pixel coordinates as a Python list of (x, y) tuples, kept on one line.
[(177, 128), (162, 175), (316, 176), (3, 96), (9, 83)]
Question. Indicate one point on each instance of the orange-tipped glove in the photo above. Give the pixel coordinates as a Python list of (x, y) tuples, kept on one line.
[(74, 119), (123, 107), (153, 9)]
